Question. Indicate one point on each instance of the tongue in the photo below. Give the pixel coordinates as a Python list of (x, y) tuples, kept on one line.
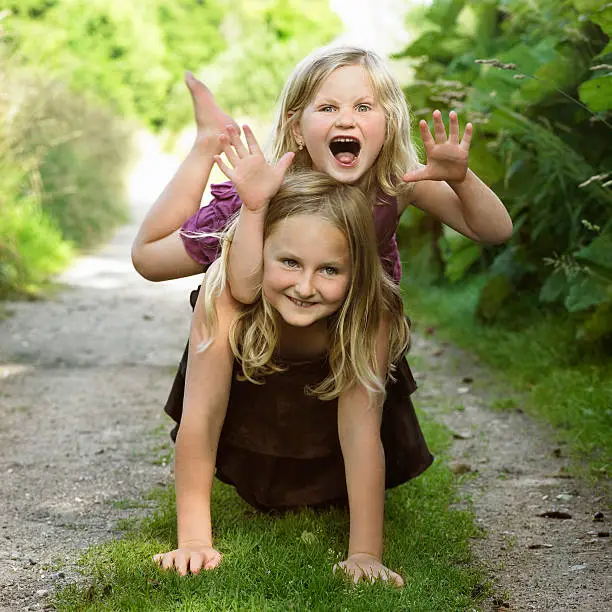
[(345, 157)]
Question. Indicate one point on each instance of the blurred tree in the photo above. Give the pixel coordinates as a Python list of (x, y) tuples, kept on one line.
[(266, 39), (126, 54), (132, 55)]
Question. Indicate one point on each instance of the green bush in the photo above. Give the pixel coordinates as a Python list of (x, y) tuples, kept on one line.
[(83, 157), (125, 55), (62, 165), (534, 78)]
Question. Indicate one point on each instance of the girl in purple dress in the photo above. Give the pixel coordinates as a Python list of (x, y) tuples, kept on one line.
[(343, 114)]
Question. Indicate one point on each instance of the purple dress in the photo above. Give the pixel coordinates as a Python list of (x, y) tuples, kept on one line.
[(226, 203), (278, 446)]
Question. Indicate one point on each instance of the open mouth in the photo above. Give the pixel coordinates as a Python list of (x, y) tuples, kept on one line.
[(345, 149)]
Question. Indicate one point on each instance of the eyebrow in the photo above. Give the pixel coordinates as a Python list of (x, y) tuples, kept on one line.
[(336, 263), (370, 99)]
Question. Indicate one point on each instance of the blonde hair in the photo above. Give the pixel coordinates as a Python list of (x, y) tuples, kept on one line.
[(372, 297), (398, 153)]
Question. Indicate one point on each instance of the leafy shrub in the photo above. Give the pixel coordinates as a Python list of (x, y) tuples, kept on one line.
[(534, 78), (62, 163)]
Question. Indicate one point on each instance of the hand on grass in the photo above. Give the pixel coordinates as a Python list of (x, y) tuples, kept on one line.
[(447, 158), (255, 180), (190, 558), (210, 120), (363, 567)]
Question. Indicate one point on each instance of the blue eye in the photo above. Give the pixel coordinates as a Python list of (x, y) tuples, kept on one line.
[(362, 108), (330, 270), (327, 109), (290, 263)]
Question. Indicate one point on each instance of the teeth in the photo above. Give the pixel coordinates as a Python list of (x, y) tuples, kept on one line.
[(340, 139), (300, 303)]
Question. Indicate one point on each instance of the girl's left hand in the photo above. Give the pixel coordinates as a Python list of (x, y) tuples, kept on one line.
[(255, 180), (447, 158), (361, 566)]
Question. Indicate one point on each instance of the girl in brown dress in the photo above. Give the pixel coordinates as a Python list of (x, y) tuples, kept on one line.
[(305, 421)]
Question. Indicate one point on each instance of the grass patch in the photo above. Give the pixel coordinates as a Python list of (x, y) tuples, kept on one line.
[(284, 562), (535, 351)]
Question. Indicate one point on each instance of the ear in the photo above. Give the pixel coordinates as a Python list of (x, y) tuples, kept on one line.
[(296, 130)]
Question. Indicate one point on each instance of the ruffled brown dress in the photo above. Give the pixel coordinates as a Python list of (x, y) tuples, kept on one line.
[(279, 447)]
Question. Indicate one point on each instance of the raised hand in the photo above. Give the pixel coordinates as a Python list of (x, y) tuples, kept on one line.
[(363, 567), (210, 120), (447, 158), (191, 558), (255, 180)]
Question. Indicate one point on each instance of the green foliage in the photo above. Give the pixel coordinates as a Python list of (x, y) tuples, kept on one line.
[(561, 381), (31, 246), (126, 55), (62, 163), (541, 103), (266, 39), (131, 56)]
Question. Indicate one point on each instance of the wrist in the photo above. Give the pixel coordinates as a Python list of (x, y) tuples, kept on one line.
[(199, 542), (377, 557), (254, 208), (458, 184)]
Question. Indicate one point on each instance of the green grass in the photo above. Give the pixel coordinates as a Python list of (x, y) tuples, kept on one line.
[(284, 562), (535, 353)]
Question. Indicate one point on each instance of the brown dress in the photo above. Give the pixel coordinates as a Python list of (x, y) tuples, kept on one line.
[(279, 447)]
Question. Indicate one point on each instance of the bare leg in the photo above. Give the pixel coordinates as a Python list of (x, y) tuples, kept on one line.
[(158, 253)]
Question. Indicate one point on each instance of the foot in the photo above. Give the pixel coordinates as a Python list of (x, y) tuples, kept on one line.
[(210, 120)]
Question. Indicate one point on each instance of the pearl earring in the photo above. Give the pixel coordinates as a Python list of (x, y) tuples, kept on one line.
[(300, 145)]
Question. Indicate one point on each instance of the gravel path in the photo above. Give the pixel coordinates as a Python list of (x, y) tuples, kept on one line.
[(83, 377)]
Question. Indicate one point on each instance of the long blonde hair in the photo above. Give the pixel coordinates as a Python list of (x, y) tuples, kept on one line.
[(372, 297), (398, 153)]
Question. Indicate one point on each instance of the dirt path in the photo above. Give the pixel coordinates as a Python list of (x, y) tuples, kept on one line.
[(517, 473), (82, 380)]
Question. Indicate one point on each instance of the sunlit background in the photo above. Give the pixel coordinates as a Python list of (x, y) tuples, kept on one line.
[(94, 120), (93, 107)]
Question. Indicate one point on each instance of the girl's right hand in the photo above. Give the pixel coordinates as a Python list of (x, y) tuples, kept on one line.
[(210, 120), (191, 558), (255, 180)]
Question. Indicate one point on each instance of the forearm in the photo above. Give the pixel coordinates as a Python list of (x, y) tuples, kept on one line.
[(246, 255), (359, 421), (365, 479), (181, 198), (483, 212), (194, 471)]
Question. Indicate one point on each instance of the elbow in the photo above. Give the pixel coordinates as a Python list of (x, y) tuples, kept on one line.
[(503, 233), (140, 264), (498, 235), (243, 294), (246, 298)]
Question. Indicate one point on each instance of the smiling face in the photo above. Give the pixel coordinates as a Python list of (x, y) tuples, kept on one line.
[(343, 128), (306, 269)]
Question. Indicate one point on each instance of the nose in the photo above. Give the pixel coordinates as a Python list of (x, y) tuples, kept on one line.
[(345, 118), (304, 288)]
